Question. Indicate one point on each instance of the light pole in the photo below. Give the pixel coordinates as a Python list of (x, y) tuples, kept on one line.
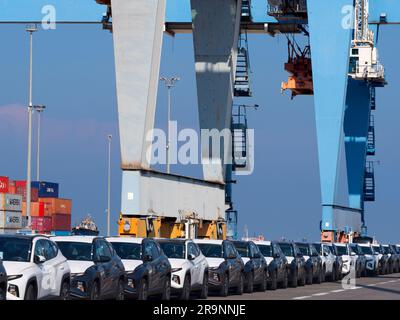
[(109, 185), (31, 29), (169, 83), (39, 109)]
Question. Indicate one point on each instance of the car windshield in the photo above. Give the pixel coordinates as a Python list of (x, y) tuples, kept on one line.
[(173, 250), (304, 249), (341, 250), (318, 247), (80, 251), (15, 249), (265, 249), (128, 251), (386, 250), (377, 249), (243, 249), (287, 249), (366, 250), (211, 250), (354, 249)]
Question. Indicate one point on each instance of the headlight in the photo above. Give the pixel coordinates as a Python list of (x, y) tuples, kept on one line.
[(77, 274), (176, 269), (80, 285), (176, 279), (13, 289), (14, 277), (131, 283)]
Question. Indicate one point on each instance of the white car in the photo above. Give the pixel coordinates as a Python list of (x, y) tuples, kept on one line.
[(372, 258), (348, 260), (129, 264), (328, 260), (35, 267), (189, 267)]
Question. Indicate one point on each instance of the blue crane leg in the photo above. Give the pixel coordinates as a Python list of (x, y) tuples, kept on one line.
[(330, 44)]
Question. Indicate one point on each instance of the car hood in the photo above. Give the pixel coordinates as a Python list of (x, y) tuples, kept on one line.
[(245, 260), (79, 266), (177, 263), (14, 267), (370, 257), (268, 260), (215, 262), (131, 265), (306, 258), (290, 259)]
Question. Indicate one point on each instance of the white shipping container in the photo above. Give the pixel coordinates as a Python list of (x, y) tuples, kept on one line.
[(10, 220), (10, 202)]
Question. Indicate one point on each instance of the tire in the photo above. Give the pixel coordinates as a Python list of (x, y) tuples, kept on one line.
[(224, 291), (309, 279), (185, 293), (333, 275), (166, 294), (2, 294), (294, 280), (323, 278), (273, 284), (284, 283), (240, 287), (250, 283), (318, 278), (143, 292), (302, 280), (31, 293), (204, 289), (121, 288), (95, 293), (264, 284), (64, 291)]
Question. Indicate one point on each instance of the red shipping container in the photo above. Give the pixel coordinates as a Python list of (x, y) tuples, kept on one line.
[(20, 183), (41, 224), (4, 184), (61, 222), (37, 209), (56, 205), (12, 189), (22, 191)]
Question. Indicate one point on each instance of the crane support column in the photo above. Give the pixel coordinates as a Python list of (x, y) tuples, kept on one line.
[(356, 125), (216, 27), (330, 38), (138, 33)]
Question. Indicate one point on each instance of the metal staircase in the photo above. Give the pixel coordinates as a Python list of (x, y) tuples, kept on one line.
[(239, 138), (246, 11), (369, 182), (372, 98), (242, 76), (371, 137)]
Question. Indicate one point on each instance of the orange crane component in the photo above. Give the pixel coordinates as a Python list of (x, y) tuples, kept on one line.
[(300, 81)]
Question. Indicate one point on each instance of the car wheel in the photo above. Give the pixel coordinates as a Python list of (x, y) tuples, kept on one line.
[(294, 279), (95, 293), (302, 280), (333, 275), (185, 293), (250, 283), (273, 281), (166, 295), (264, 283), (143, 290), (64, 291), (2, 294), (204, 287), (31, 293), (240, 287), (285, 280), (224, 286), (120, 292), (309, 280)]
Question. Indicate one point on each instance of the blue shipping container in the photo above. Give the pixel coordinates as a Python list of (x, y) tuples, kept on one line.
[(46, 189), (60, 233)]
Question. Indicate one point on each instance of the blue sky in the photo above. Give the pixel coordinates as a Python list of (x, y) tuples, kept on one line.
[(74, 78)]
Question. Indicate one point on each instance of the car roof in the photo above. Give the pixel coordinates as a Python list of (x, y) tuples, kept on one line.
[(364, 244), (263, 242), (125, 239), (340, 244), (175, 240), (23, 236), (84, 239), (208, 241)]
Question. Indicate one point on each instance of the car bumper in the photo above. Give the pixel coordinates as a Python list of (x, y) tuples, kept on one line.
[(346, 267), (214, 280), (177, 280), (75, 285), (17, 285)]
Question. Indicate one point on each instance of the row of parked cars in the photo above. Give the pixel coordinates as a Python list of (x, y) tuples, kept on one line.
[(87, 267)]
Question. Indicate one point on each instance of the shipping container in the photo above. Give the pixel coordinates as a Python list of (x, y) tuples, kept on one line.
[(19, 183), (4, 184), (61, 222), (22, 191), (8, 231), (56, 205), (41, 224), (10, 220), (37, 209), (46, 189), (10, 202)]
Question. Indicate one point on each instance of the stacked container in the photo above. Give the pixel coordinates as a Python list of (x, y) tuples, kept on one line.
[(10, 208)]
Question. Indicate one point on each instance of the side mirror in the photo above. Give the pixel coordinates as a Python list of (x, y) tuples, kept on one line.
[(103, 259), (38, 259), (147, 258), (191, 256)]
